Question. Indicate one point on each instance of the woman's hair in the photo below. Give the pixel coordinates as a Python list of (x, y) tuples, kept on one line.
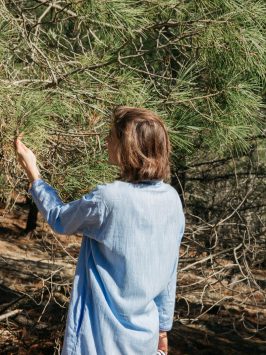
[(143, 150)]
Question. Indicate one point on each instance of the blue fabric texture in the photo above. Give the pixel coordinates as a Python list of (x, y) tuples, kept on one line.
[(125, 282)]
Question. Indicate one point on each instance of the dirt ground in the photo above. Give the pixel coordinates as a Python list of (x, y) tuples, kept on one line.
[(36, 271)]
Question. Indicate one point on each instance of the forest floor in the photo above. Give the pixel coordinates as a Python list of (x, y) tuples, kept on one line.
[(36, 272)]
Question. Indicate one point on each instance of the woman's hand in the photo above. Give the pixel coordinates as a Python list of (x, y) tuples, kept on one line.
[(163, 342), (26, 158)]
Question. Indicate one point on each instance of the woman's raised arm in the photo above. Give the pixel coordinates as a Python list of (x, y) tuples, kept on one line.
[(87, 213), (64, 218)]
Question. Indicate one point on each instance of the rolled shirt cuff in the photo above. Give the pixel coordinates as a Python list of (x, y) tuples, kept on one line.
[(34, 184)]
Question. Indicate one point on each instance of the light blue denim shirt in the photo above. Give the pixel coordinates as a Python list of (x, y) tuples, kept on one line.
[(125, 282)]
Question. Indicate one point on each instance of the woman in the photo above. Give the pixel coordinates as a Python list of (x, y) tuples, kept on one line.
[(123, 295)]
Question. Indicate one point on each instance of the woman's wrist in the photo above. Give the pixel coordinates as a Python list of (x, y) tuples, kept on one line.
[(33, 175)]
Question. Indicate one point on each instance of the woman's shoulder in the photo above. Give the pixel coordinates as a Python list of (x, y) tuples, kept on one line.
[(119, 187), (114, 190), (120, 193), (107, 189), (107, 186)]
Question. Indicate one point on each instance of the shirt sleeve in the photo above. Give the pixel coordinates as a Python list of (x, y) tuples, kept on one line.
[(165, 301), (87, 213)]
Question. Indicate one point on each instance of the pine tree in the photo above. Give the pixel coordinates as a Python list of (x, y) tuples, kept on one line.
[(199, 64)]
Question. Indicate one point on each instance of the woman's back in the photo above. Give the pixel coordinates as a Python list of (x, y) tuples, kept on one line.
[(126, 273), (140, 240)]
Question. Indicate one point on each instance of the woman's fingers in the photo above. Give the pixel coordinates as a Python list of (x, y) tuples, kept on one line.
[(21, 148), (19, 136), (163, 342), (22, 145), (25, 157), (17, 145)]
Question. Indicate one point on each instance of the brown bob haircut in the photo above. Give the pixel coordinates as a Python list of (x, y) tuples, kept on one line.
[(144, 149)]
